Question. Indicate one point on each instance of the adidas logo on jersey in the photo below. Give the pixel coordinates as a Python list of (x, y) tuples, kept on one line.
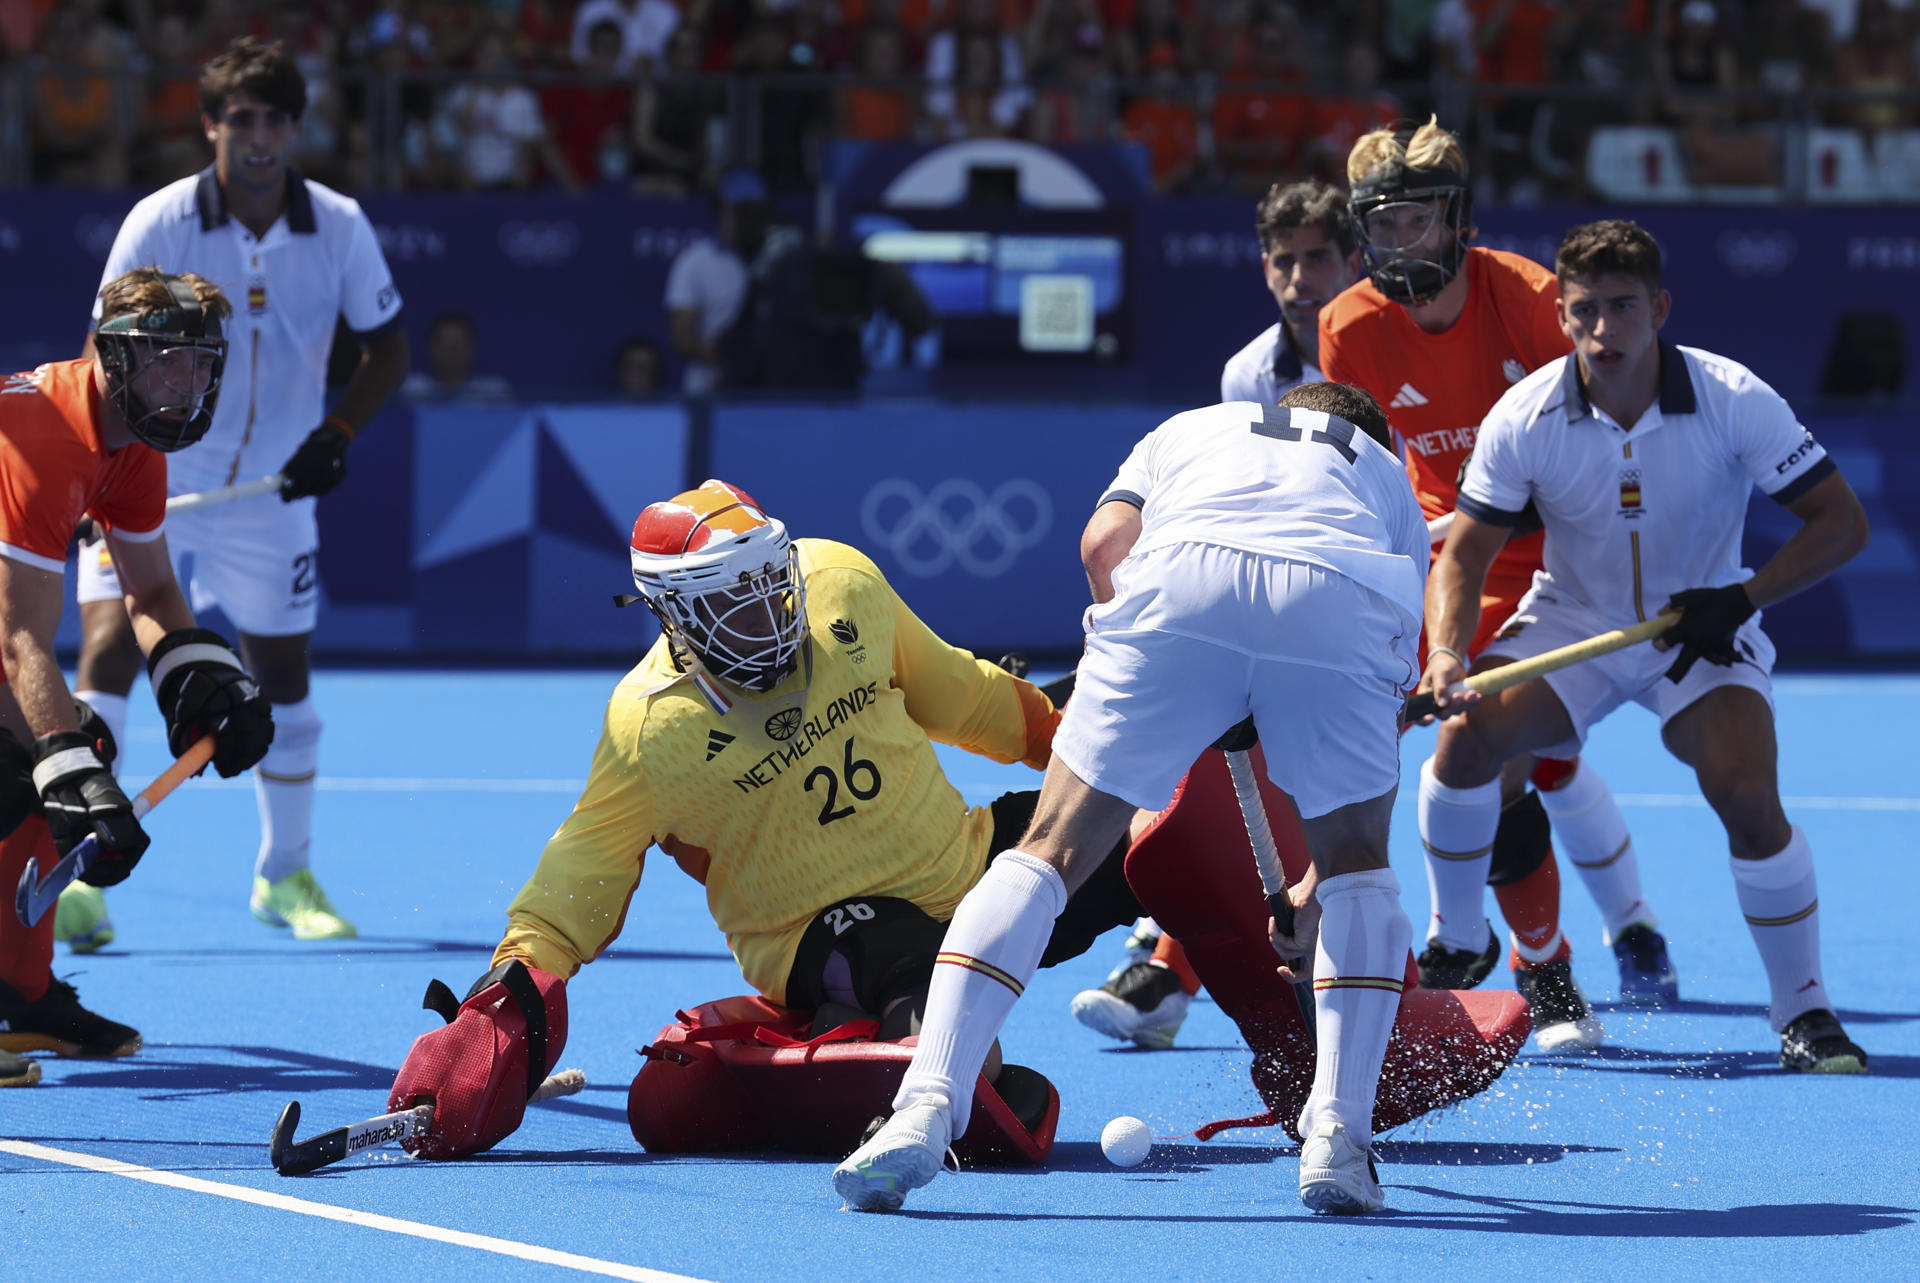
[(1407, 396), (1513, 370), (717, 741)]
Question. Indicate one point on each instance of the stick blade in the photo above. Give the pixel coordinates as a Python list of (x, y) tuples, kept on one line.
[(280, 1149)]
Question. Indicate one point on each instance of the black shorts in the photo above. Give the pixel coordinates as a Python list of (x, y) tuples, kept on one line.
[(868, 951)]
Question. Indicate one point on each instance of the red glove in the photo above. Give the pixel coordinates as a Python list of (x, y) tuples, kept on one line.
[(498, 1046)]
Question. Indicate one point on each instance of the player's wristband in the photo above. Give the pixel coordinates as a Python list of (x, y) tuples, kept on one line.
[(335, 421), (1458, 658)]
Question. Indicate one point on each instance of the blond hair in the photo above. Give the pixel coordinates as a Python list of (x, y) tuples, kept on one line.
[(1431, 147), (144, 289)]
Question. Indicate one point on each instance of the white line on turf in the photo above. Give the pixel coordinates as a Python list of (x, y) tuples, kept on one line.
[(346, 1215)]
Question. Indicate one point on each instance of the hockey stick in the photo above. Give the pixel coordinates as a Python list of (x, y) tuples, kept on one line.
[(1438, 527), (226, 494), (1266, 853), (1525, 670), (33, 897), (297, 1158)]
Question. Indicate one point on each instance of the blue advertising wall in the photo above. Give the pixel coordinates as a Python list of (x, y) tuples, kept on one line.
[(554, 285), (501, 533)]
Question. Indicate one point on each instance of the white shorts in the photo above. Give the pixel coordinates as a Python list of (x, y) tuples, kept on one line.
[(257, 560), (1198, 637), (1544, 621)]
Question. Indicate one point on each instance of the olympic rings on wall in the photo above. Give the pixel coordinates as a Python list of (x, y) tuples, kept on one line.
[(956, 522)]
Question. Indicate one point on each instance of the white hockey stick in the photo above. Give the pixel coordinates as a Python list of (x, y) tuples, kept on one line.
[(1438, 527), (297, 1158), (226, 494), (1266, 857)]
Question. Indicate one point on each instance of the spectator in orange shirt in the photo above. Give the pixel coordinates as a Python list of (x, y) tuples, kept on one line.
[(1163, 120), (1336, 122), (876, 106), (1258, 128), (172, 143), (75, 112)]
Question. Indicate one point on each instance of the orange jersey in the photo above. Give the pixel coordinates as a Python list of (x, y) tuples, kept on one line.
[(1436, 388), (54, 468)]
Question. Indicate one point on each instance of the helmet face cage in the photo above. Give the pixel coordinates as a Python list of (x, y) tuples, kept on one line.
[(1413, 238), (183, 348), (743, 618)]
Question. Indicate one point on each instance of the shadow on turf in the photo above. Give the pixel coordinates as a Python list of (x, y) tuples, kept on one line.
[(1721, 1065), (1183, 1159), (1755, 1009), (274, 1070), (1538, 1217)]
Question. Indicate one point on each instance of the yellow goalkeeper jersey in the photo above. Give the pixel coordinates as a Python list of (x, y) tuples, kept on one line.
[(783, 803)]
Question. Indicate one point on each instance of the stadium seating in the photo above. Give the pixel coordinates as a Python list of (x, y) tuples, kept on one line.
[(1637, 162)]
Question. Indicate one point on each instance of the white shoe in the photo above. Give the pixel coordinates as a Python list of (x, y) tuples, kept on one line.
[(907, 1152), (1140, 945), (1336, 1175), (1563, 1020), (1144, 1005)]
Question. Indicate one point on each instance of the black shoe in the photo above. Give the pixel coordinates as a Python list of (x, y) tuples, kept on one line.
[(1561, 1016), (1814, 1043), (1647, 976), (56, 1022), (1444, 968), (18, 1071), (1145, 1005)]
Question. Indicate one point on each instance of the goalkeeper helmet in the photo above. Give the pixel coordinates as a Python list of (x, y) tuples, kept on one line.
[(1413, 225), (723, 579), (163, 366)]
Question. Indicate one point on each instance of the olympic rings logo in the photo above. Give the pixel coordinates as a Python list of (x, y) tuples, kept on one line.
[(956, 523)]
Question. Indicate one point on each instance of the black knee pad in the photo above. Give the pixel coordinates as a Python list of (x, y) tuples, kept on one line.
[(1522, 842)]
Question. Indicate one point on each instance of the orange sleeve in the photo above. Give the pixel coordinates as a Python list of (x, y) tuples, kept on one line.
[(41, 492), (1549, 341), (1336, 363), (1042, 718), (133, 500)]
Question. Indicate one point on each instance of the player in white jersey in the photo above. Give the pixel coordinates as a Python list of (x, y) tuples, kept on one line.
[(1277, 565), (1307, 255), (293, 256), (1640, 457)]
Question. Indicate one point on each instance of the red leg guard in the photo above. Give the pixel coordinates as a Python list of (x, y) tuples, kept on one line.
[(1193, 871), (26, 953), (1531, 907), (742, 1074)]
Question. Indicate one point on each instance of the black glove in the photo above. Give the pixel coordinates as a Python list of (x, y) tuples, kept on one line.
[(317, 466), (18, 796), (80, 797), (202, 689), (95, 728), (1709, 619)]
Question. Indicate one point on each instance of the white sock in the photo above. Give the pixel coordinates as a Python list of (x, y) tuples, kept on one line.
[(1782, 906), (992, 948), (1358, 969), (1590, 831), (284, 784), (1456, 827), (113, 711)]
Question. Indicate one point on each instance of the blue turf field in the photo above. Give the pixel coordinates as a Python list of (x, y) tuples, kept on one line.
[(1678, 1149)]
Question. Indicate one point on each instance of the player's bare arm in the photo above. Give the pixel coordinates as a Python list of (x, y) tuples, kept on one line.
[(1453, 600), (154, 600), (1108, 538), (30, 603)]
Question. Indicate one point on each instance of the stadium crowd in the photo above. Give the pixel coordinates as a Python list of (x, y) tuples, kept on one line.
[(657, 96)]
